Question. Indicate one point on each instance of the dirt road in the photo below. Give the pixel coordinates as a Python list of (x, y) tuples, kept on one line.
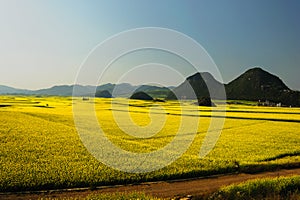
[(165, 189)]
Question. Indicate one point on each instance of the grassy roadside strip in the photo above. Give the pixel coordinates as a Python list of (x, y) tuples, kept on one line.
[(269, 188)]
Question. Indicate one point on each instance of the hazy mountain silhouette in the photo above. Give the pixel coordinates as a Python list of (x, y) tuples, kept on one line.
[(116, 90), (103, 94), (126, 90), (154, 91), (62, 90), (196, 86), (66, 90), (10, 90)]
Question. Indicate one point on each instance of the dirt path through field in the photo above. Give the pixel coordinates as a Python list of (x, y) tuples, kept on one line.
[(165, 189)]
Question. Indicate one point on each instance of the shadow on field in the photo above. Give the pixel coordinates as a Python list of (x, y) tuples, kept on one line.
[(281, 156), (2, 106)]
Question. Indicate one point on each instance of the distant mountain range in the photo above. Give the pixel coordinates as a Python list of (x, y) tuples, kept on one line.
[(62, 90), (10, 90), (117, 90), (126, 90), (255, 84)]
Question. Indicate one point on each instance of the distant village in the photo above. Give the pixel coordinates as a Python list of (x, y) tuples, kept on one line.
[(271, 104)]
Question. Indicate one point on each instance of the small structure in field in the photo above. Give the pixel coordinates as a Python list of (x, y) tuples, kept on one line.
[(279, 104), (269, 103)]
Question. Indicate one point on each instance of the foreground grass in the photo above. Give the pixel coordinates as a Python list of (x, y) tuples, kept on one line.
[(278, 188), (110, 196), (40, 148)]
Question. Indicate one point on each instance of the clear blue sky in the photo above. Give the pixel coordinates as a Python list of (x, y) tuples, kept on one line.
[(43, 42)]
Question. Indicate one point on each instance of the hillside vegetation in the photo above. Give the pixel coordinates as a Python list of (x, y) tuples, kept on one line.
[(257, 84)]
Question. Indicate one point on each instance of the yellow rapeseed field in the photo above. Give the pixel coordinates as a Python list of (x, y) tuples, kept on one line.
[(40, 147)]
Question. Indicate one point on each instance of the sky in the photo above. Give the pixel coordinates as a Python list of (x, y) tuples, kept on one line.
[(44, 42)]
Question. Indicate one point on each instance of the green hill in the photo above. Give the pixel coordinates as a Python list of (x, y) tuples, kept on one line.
[(141, 96), (196, 86), (257, 84)]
